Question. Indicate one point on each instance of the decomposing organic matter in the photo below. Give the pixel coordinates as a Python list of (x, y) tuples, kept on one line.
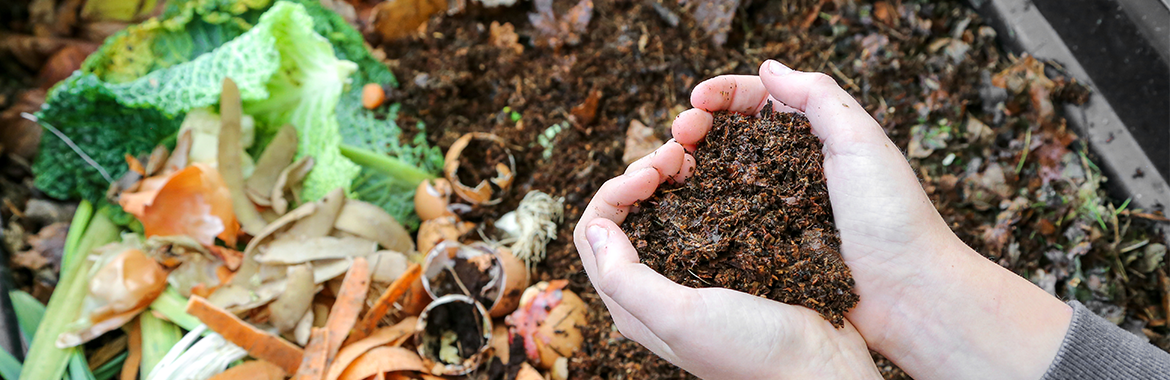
[(754, 217), (452, 335)]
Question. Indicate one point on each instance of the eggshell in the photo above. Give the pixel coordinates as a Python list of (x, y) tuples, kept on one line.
[(516, 279), (432, 198), (562, 327), (479, 193), (499, 343), (528, 373), (437, 230), (421, 338)]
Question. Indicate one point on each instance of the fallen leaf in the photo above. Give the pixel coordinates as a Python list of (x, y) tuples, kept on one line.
[(20, 136), (553, 31), (640, 141), (586, 112), (715, 16), (395, 19), (45, 248)]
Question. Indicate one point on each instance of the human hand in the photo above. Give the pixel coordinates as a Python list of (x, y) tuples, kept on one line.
[(712, 332), (928, 302)]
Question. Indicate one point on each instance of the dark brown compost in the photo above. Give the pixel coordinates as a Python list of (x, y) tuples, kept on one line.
[(754, 217)]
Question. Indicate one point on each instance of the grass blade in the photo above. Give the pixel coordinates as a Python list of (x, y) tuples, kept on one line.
[(9, 366), (78, 366), (29, 312)]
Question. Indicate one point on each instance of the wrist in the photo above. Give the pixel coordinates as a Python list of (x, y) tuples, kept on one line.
[(971, 318)]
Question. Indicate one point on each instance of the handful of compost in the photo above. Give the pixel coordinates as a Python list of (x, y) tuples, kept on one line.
[(754, 217)]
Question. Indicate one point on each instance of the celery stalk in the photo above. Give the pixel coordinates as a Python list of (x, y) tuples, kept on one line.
[(65, 304), (158, 336), (386, 164), (173, 307)]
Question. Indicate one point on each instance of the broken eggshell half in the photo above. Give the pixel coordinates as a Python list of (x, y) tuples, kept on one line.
[(493, 276), (452, 335), (482, 174), (434, 231), (432, 199)]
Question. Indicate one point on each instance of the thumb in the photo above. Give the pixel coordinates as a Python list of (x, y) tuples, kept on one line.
[(834, 115), (646, 294)]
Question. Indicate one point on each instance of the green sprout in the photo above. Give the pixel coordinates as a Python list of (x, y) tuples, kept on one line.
[(547, 139)]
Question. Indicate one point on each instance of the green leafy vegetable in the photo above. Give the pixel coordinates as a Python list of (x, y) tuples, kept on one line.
[(295, 62)]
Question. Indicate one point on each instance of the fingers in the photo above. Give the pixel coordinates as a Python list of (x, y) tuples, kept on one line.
[(691, 126), (744, 94), (644, 293), (687, 169), (834, 115), (667, 159), (736, 93)]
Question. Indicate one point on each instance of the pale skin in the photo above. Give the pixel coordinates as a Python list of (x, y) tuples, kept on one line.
[(929, 303)]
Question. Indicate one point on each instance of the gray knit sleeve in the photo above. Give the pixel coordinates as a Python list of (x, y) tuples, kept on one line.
[(1094, 348)]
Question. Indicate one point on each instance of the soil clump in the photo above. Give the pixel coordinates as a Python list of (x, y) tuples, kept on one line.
[(754, 217)]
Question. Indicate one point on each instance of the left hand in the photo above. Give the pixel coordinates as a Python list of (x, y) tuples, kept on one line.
[(710, 332)]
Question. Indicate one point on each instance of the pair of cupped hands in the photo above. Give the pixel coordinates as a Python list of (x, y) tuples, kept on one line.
[(928, 303)]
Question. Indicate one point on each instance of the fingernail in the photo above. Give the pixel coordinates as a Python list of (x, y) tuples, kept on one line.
[(597, 237), (777, 68)]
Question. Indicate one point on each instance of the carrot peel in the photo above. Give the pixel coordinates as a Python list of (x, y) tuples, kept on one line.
[(256, 342)]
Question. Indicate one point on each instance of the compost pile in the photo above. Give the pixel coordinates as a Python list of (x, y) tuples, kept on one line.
[(574, 89), (754, 217)]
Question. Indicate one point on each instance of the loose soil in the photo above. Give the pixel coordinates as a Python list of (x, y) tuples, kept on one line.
[(902, 60), (754, 217), (478, 162), (468, 274), (463, 319)]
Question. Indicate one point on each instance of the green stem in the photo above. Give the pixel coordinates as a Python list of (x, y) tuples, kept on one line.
[(158, 336), (386, 164), (173, 306), (65, 304), (81, 218)]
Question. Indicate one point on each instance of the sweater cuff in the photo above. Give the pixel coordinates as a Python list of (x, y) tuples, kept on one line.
[(1094, 348)]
